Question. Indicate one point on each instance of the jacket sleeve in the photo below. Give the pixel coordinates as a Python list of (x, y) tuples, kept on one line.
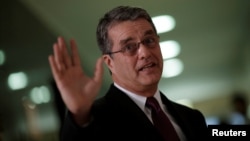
[(70, 131)]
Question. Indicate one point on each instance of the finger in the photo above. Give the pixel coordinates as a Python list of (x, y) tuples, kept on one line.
[(58, 58), (98, 71), (75, 54), (65, 54), (54, 67)]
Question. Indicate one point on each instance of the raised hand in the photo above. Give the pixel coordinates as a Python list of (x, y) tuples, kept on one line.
[(78, 91)]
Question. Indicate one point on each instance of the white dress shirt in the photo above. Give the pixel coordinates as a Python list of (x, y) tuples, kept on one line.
[(141, 101)]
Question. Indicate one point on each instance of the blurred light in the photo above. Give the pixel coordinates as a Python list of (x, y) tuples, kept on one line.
[(2, 57), (213, 120), (186, 102), (172, 67), (169, 49), (40, 95), (27, 103), (17, 80), (163, 23)]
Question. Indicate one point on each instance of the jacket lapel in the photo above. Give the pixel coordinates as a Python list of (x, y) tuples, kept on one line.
[(178, 116), (130, 114), (125, 106)]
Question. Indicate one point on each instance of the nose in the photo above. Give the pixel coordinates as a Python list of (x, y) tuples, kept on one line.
[(143, 51)]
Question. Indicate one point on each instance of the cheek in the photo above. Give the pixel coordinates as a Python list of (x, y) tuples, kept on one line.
[(159, 57), (159, 53), (127, 67)]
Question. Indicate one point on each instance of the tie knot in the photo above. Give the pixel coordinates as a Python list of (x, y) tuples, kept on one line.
[(153, 104)]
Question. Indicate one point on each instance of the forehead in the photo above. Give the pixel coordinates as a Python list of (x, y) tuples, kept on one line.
[(129, 29)]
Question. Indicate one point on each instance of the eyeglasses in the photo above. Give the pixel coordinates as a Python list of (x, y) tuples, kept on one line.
[(131, 48)]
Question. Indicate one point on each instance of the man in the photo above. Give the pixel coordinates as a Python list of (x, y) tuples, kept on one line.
[(130, 46)]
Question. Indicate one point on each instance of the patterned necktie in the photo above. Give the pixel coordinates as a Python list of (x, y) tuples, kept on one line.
[(161, 121)]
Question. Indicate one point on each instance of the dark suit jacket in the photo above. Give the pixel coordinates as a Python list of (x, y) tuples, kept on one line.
[(116, 117)]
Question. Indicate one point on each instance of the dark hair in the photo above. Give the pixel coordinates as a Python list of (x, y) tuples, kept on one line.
[(114, 16)]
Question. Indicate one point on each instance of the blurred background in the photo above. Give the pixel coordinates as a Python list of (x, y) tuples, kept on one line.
[(206, 47)]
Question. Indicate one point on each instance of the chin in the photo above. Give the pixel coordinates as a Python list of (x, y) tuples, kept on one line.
[(150, 81)]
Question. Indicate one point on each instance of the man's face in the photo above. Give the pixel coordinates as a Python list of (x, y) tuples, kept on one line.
[(140, 70)]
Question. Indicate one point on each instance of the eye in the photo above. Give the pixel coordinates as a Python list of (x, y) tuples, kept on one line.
[(131, 47), (149, 41)]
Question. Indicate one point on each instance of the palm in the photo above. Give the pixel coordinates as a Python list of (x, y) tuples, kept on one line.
[(78, 91), (76, 88)]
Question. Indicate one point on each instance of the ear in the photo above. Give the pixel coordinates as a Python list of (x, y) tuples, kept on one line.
[(108, 61)]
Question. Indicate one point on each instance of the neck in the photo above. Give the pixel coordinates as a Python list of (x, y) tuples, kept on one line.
[(146, 91)]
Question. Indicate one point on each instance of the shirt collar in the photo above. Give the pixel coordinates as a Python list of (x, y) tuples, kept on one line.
[(138, 99)]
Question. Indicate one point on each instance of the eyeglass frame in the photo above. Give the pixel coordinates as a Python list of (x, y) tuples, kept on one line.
[(136, 45)]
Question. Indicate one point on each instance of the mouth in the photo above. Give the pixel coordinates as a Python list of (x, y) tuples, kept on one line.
[(147, 66)]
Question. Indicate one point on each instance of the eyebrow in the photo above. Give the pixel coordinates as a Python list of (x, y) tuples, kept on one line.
[(148, 32)]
